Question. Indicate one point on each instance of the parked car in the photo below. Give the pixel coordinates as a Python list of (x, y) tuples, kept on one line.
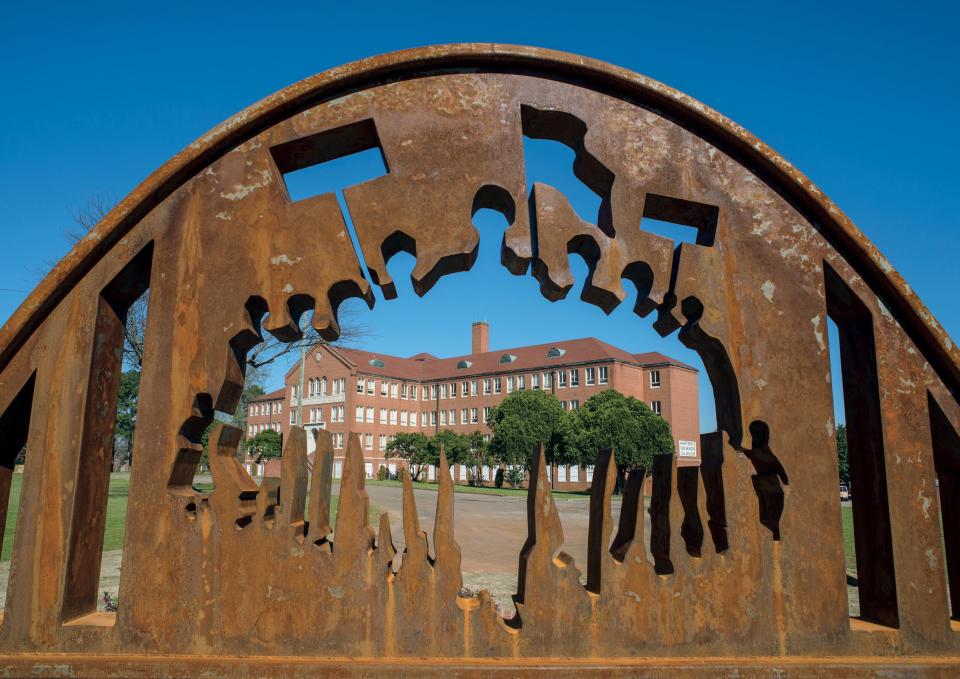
[(844, 492)]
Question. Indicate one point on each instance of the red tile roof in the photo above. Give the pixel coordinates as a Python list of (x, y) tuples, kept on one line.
[(272, 396), (426, 367)]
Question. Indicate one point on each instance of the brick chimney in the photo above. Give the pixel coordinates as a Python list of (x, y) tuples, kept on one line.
[(481, 338)]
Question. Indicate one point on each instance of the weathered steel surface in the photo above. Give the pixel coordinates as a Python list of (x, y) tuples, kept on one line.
[(744, 567)]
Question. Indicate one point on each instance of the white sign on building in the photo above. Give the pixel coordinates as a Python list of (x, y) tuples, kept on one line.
[(687, 449)]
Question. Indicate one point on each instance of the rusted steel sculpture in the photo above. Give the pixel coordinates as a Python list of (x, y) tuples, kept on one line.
[(744, 569)]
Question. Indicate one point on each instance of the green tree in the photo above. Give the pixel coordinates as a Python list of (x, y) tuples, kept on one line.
[(477, 457), (522, 420), (126, 416), (843, 454), (611, 420), (456, 446), (264, 446), (413, 447)]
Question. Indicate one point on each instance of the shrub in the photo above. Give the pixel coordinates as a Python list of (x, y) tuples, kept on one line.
[(515, 475), (382, 474), (498, 478)]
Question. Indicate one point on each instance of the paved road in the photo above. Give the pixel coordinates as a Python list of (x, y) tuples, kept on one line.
[(491, 531)]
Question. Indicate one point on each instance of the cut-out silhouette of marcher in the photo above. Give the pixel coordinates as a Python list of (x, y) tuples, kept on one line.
[(766, 482)]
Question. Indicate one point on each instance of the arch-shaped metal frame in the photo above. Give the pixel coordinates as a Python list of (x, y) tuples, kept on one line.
[(768, 584), (683, 109)]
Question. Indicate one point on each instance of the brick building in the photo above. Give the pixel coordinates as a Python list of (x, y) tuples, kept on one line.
[(377, 395)]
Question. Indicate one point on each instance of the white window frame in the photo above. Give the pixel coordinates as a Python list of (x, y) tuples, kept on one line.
[(603, 374), (655, 380)]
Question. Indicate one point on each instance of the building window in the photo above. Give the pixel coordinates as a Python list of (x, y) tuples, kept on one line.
[(443, 417), (393, 389), (604, 376), (591, 375), (252, 409), (486, 387), (574, 405), (279, 407), (656, 407), (464, 416), (535, 381), (383, 441), (510, 383), (473, 415), (360, 384), (654, 379), (371, 387), (486, 415), (547, 380), (433, 418), (293, 417), (368, 441), (473, 388), (393, 416), (413, 392), (574, 378), (443, 391), (434, 392), (383, 416), (359, 414), (561, 379), (497, 385), (403, 418), (370, 415), (384, 386), (464, 389), (521, 381), (403, 392), (563, 404), (453, 416), (250, 430)]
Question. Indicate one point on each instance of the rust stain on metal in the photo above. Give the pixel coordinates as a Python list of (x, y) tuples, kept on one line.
[(744, 566)]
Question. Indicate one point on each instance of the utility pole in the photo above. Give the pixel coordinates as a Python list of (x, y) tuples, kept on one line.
[(303, 365)]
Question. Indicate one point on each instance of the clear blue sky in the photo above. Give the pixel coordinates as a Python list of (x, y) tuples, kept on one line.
[(863, 98)]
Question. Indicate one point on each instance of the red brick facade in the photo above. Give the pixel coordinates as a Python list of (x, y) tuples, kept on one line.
[(377, 395)]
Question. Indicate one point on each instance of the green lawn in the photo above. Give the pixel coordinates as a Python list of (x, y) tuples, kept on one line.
[(515, 492), (849, 549), (116, 512)]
